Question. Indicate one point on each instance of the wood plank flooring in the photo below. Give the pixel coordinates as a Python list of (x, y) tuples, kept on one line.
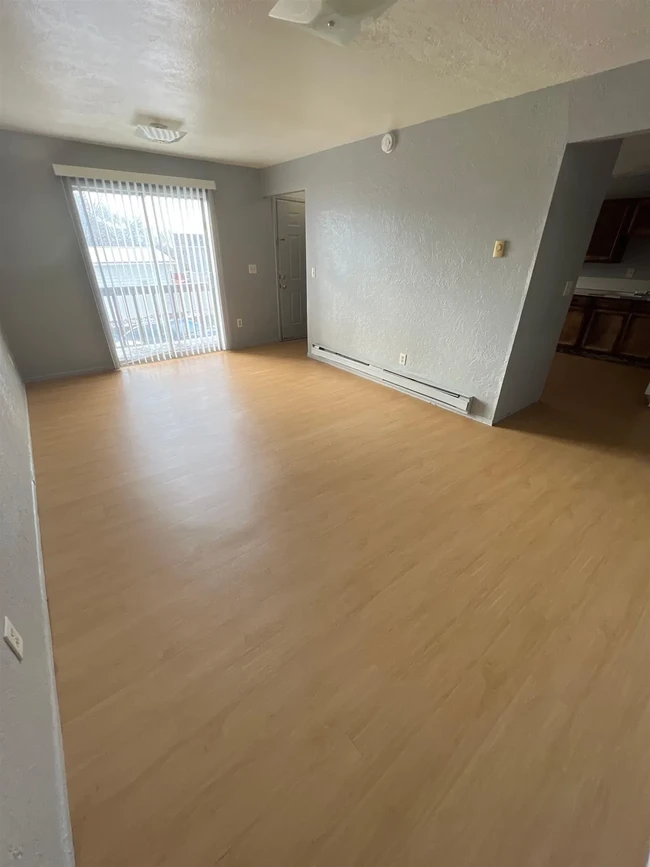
[(301, 620)]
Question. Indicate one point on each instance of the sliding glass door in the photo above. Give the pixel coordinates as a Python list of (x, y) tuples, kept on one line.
[(151, 250)]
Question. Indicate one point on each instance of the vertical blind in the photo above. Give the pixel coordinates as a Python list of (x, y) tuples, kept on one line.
[(151, 249)]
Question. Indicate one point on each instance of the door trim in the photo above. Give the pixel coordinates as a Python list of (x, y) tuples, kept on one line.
[(276, 255), (286, 197)]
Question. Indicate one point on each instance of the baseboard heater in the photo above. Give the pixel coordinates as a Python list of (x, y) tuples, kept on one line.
[(408, 384)]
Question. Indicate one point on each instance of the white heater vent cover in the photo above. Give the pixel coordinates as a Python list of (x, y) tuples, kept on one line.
[(336, 20), (409, 384)]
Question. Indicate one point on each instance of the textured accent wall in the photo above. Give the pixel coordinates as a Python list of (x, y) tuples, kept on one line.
[(34, 822), (402, 243), (47, 309)]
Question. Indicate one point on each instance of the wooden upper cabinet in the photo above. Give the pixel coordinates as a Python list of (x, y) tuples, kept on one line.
[(640, 227), (611, 231)]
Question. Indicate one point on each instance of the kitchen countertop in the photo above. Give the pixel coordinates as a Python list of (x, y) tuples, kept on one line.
[(612, 287)]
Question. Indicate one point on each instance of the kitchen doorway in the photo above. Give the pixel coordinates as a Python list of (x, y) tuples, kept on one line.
[(586, 304)]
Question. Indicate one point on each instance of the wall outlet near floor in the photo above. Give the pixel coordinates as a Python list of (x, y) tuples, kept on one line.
[(13, 638), (569, 286), (402, 358), (240, 322), (630, 272), (252, 269)]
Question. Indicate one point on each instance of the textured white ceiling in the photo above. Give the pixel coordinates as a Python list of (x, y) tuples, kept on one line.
[(254, 90)]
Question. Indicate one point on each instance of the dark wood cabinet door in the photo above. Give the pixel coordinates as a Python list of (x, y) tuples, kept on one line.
[(611, 231), (640, 227), (572, 327), (635, 340), (603, 331)]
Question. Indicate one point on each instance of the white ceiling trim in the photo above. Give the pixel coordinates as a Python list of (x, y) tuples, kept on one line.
[(135, 177)]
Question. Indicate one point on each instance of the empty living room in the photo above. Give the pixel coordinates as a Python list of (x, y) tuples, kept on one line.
[(324, 433)]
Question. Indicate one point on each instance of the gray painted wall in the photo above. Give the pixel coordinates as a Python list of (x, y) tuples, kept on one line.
[(402, 243), (582, 182), (46, 306), (34, 822)]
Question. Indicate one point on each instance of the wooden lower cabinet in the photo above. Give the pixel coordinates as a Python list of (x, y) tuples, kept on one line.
[(613, 328)]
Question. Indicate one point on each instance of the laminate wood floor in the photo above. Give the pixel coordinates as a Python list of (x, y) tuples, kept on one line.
[(301, 620)]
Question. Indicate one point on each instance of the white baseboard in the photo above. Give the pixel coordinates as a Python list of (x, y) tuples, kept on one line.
[(70, 373)]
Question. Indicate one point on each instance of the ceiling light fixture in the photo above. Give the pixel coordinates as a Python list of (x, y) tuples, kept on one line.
[(162, 132), (338, 21)]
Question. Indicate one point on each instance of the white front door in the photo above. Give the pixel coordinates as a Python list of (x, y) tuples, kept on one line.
[(292, 270)]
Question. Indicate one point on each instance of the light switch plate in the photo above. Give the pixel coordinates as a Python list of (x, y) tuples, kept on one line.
[(252, 269), (499, 250), (13, 638), (313, 272)]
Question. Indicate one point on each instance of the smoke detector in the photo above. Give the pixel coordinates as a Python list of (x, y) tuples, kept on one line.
[(338, 21), (160, 131)]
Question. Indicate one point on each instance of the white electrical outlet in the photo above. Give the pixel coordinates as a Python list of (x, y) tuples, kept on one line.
[(630, 272), (402, 358), (13, 638), (252, 269), (568, 288), (240, 322), (313, 272)]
